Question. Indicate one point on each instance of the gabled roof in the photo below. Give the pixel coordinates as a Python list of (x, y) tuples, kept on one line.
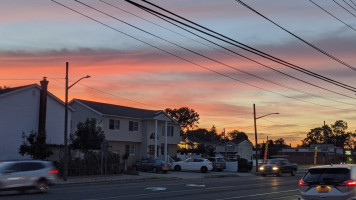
[(7, 90), (122, 111), (10, 91)]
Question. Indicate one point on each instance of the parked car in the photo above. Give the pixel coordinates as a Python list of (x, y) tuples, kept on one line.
[(193, 164), (153, 165), (23, 175), (329, 182), (219, 164), (277, 167)]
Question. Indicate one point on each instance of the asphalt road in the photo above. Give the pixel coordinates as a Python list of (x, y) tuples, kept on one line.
[(251, 188)]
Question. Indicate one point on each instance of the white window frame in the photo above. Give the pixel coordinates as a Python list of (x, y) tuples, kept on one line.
[(134, 126), (170, 130), (116, 124)]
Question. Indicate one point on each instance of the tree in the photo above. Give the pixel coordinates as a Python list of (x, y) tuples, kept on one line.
[(4, 89), (88, 136), (335, 134), (187, 117), (35, 146), (236, 135)]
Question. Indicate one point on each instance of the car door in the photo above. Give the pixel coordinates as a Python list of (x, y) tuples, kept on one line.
[(15, 175)]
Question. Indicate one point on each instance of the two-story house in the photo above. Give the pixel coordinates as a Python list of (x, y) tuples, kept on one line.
[(29, 109), (137, 132), (235, 149)]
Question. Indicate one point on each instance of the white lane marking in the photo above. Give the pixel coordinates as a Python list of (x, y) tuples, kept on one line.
[(254, 195), (156, 188), (194, 185)]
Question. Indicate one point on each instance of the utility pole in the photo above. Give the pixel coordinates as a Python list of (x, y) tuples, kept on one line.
[(65, 168), (256, 148), (225, 145)]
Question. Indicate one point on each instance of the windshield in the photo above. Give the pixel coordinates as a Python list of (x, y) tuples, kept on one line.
[(327, 175)]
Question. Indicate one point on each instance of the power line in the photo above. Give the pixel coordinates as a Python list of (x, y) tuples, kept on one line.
[(214, 71), (263, 65), (332, 15), (299, 38), (245, 47), (349, 5), (199, 54), (344, 8)]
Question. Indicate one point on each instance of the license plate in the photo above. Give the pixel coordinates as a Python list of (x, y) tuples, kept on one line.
[(323, 189)]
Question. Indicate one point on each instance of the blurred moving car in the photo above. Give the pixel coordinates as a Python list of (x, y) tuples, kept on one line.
[(219, 164), (277, 167), (23, 175), (193, 164), (336, 182), (153, 165)]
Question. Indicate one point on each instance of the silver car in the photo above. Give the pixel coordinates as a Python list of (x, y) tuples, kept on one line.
[(23, 175), (332, 182)]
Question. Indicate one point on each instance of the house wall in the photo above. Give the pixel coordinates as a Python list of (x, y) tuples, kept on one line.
[(244, 149), (20, 113), (123, 136), (119, 147)]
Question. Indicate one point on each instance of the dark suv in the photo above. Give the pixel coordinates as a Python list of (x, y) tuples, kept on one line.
[(218, 163), (332, 182), (23, 175)]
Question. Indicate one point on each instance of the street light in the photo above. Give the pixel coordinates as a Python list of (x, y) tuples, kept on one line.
[(65, 170), (255, 118)]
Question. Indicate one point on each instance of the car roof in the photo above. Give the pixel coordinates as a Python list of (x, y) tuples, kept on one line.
[(348, 166)]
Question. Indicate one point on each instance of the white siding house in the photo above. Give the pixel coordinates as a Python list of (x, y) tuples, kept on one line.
[(19, 113), (237, 149), (131, 130)]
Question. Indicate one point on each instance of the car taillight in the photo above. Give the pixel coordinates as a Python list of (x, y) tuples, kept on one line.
[(349, 183), (302, 183), (53, 171)]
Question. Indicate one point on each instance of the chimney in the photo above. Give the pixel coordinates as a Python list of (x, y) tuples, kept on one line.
[(43, 109)]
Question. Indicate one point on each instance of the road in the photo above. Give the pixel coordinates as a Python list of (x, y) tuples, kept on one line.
[(227, 188)]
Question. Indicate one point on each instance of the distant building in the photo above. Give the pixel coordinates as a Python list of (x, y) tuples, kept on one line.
[(326, 154), (235, 149), (29, 109)]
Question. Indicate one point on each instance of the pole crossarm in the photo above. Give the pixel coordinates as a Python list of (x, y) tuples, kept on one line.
[(267, 115)]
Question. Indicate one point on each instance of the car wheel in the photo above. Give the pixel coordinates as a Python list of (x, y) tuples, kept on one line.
[(42, 186), (204, 169), (293, 172), (279, 173), (177, 168), (154, 170)]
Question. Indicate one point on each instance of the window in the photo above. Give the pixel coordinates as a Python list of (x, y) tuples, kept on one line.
[(114, 124), (130, 149), (133, 126), (169, 130)]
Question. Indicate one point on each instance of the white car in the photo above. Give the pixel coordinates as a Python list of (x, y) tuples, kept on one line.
[(23, 175), (193, 164)]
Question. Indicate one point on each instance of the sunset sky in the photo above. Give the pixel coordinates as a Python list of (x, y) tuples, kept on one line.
[(171, 68)]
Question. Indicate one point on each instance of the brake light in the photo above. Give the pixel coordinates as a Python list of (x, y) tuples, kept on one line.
[(302, 183), (53, 171), (350, 183)]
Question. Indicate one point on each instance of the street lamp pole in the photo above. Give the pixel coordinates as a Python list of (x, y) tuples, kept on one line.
[(65, 168), (254, 120)]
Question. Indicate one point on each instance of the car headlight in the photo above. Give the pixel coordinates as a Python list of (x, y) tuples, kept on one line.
[(275, 168), (262, 168)]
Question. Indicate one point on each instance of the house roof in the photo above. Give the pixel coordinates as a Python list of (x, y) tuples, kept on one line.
[(6, 90), (122, 111), (10, 91)]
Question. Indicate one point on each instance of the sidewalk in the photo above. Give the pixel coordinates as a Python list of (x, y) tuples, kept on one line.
[(147, 176)]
